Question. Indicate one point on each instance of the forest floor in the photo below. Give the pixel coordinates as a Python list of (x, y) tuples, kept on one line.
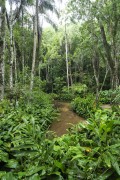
[(66, 118), (106, 106)]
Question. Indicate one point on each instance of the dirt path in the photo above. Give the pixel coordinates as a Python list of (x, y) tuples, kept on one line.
[(106, 106), (65, 120)]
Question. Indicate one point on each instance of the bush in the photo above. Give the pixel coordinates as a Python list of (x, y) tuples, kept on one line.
[(79, 89), (84, 106), (89, 151), (74, 90), (110, 96)]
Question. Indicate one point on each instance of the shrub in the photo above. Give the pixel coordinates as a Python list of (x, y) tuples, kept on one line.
[(110, 96), (84, 106), (74, 90), (79, 89)]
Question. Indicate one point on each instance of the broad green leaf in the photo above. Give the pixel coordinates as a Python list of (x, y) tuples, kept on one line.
[(8, 176), (56, 148), (78, 157), (34, 170), (12, 163), (35, 177), (107, 160), (3, 156), (25, 146), (59, 165), (105, 175)]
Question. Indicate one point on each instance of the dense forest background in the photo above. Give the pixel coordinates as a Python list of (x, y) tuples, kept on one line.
[(74, 60), (83, 49)]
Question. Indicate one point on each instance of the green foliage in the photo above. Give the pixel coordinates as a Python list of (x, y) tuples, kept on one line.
[(74, 90), (84, 107), (65, 94), (93, 149), (58, 84), (89, 151), (110, 96), (22, 131), (79, 89)]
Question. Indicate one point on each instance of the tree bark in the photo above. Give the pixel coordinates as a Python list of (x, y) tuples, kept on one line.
[(112, 63), (95, 62), (15, 63), (23, 37), (34, 46), (11, 46), (2, 49), (67, 65)]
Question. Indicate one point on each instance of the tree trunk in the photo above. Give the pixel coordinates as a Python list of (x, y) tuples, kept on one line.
[(15, 63), (23, 39), (34, 47), (95, 62), (67, 65), (11, 47), (2, 49), (71, 79), (112, 63)]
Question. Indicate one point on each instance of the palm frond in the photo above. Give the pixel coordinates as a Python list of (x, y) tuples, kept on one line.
[(48, 5), (51, 22)]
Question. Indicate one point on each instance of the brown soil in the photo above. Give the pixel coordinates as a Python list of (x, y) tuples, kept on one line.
[(106, 106), (65, 120)]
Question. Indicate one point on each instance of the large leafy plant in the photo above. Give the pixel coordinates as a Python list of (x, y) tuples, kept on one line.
[(84, 106)]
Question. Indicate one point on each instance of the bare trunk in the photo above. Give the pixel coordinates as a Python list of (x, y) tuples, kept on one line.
[(112, 63), (95, 62), (11, 47), (107, 70), (34, 47), (67, 65), (2, 49), (23, 37), (15, 63), (71, 79)]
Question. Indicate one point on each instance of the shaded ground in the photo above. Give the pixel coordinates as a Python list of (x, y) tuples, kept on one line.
[(106, 106), (65, 120)]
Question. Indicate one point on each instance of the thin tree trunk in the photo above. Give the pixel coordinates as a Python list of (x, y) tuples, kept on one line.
[(107, 70), (34, 47), (11, 47), (15, 63), (95, 62), (67, 65), (71, 79), (2, 50), (23, 39)]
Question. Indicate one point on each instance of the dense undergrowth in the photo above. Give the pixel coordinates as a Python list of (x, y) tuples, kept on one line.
[(29, 152)]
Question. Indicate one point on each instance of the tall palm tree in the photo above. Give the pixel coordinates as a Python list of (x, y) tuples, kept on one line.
[(41, 7)]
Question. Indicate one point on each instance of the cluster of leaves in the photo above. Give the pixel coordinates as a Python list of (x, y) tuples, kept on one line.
[(22, 127), (84, 106), (74, 90), (110, 96), (88, 151), (91, 151)]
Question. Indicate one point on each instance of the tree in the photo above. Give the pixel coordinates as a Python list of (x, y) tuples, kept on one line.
[(40, 8), (106, 15), (2, 47)]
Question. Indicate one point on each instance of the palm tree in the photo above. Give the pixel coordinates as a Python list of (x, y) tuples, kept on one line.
[(41, 7)]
